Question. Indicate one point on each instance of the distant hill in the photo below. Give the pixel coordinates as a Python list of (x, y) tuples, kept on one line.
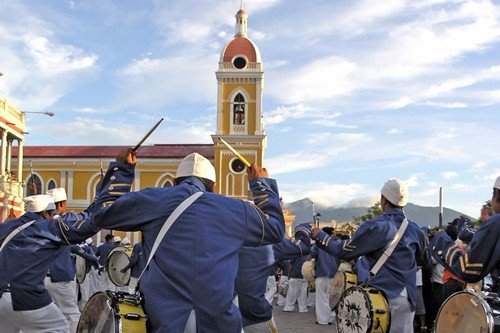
[(421, 215)]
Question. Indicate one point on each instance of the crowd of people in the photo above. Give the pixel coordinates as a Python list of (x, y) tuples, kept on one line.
[(209, 263)]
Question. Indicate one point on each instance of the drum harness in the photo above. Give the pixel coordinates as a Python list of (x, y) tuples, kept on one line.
[(166, 226), (388, 251)]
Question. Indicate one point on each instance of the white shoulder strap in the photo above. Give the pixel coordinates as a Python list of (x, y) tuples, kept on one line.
[(168, 223), (388, 251), (15, 232)]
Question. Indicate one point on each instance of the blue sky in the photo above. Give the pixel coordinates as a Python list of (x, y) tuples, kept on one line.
[(365, 90)]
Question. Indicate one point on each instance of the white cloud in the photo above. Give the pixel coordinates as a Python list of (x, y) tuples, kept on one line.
[(449, 174), (395, 131), (324, 194), (478, 166), (168, 80), (321, 79), (448, 105)]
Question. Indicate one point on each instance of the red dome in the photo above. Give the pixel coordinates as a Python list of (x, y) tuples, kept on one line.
[(240, 45), (241, 12)]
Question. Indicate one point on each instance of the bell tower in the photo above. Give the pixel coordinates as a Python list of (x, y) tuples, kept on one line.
[(240, 81)]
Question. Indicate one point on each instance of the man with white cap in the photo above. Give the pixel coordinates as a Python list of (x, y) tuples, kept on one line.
[(483, 255), (28, 245), (102, 252), (397, 276), (60, 281), (189, 283)]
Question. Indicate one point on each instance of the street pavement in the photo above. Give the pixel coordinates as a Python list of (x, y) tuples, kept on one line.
[(295, 322)]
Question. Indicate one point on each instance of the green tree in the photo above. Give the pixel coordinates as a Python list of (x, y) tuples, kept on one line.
[(372, 212)]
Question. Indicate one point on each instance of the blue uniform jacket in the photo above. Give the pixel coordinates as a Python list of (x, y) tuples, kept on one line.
[(326, 264), (255, 265), (25, 260), (137, 261), (370, 240), (482, 258), (63, 267), (103, 251), (196, 263)]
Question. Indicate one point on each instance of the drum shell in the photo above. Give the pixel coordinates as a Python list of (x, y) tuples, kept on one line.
[(465, 311), (342, 281), (363, 310), (81, 266), (106, 312)]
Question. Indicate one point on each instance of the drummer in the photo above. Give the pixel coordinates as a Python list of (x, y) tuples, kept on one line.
[(483, 255), (326, 268), (254, 266), (25, 258), (102, 252), (188, 284), (60, 281), (136, 265), (397, 277)]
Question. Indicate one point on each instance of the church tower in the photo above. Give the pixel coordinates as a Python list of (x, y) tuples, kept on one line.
[(240, 81)]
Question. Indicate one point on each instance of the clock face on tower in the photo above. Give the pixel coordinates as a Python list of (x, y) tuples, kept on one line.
[(237, 166)]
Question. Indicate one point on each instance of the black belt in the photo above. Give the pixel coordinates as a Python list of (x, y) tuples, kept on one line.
[(48, 275), (7, 289)]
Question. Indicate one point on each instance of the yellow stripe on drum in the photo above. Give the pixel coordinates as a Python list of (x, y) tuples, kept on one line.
[(135, 325)]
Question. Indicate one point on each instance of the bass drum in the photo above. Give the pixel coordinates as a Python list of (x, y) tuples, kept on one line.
[(81, 269), (111, 312), (363, 310), (342, 281), (466, 311), (117, 260)]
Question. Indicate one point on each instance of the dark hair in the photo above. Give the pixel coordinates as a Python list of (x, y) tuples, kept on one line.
[(209, 185), (328, 230), (451, 230), (109, 237), (391, 205), (496, 193)]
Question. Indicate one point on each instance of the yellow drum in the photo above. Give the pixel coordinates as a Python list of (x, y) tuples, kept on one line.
[(342, 281), (363, 310), (111, 312)]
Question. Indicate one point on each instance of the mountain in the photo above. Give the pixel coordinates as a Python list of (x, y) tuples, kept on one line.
[(302, 209)]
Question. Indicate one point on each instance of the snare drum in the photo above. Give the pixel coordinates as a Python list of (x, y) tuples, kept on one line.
[(342, 281), (363, 310), (112, 313), (465, 311)]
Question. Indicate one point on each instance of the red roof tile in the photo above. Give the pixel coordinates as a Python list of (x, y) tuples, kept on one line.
[(155, 151), (240, 45)]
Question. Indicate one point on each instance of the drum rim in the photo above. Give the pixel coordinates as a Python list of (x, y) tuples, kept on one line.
[(113, 252), (86, 267), (344, 279), (490, 321), (367, 300), (111, 303)]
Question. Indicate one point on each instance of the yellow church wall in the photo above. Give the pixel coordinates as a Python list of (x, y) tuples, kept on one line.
[(80, 181)]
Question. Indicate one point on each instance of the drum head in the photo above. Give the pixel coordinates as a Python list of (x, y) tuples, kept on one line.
[(464, 311), (98, 315), (336, 290), (354, 311), (307, 270), (81, 269), (117, 260)]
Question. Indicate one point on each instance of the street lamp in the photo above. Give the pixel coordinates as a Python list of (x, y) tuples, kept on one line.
[(47, 113), (316, 219)]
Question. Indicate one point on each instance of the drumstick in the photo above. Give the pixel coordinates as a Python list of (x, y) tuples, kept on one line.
[(147, 135), (235, 152)]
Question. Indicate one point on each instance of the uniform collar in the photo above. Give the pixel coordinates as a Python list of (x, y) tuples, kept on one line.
[(195, 182), (395, 212), (30, 216)]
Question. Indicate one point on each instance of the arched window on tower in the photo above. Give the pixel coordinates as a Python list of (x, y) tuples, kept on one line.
[(34, 185), (239, 110), (168, 183)]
